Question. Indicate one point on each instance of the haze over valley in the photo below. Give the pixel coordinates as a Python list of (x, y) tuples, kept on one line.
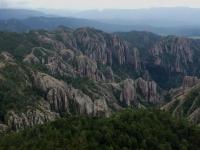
[(163, 21)]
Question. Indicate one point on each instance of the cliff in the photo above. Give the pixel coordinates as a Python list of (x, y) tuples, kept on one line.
[(92, 73)]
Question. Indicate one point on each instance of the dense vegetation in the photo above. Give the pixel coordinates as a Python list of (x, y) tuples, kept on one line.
[(129, 129), (191, 100), (15, 92)]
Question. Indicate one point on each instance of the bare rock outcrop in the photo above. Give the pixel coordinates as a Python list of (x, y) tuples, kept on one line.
[(86, 67), (32, 116), (101, 108), (190, 81), (81, 103), (140, 91), (49, 39), (109, 75), (148, 90), (3, 128), (64, 98), (185, 100), (173, 53), (6, 56), (128, 95), (106, 49)]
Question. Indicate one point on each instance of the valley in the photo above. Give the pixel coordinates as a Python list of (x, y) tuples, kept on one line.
[(72, 83)]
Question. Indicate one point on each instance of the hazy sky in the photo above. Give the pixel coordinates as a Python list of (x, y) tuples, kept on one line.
[(97, 4)]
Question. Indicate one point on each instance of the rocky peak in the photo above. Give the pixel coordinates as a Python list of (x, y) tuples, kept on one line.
[(148, 90), (86, 67), (139, 92), (128, 92), (105, 48), (174, 53), (64, 98)]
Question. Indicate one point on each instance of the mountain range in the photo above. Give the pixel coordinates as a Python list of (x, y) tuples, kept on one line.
[(90, 72), (166, 21), (66, 84)]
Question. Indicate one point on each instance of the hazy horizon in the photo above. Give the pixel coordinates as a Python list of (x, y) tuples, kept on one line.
[(97, 4)]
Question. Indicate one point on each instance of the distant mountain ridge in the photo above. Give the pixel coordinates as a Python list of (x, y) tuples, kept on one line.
[(6, 14), (51, 23), (22, 20), (52, 68), (157, 17)]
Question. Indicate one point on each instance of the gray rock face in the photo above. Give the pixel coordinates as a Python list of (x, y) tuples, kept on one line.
[(55, 90), (133, 57), (109, 75), (3, 128), (128, 95), (81, 103), (65, 62), (139, 92), (185, 100), (189, 81), (32, 116), (101, 108), (48, 40), (105, 48), (7, 56), (173, 53), (31, 59), (64, 98), (148, 90), (77, 53), (87, 54), (86, 67), (57, 97), (58, 94)]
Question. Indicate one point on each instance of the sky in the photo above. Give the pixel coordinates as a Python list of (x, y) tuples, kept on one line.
[(96, 4)]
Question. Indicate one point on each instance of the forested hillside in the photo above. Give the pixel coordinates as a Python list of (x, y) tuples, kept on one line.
[(130, 129)]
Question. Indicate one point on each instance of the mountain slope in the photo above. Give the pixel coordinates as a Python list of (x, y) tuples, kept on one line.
[(168, 59), (68, 72), (185, 100), (130, 129), (88, 72)]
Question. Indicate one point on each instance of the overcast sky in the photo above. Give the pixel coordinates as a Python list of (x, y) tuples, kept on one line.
[(97, 4)]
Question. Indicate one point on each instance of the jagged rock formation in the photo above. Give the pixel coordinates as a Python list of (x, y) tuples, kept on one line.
[(32, 116), (167, 59), (175, 54), (89, 72), (128, 94), (59, 97), (104, 48), (139, 92), (189, 81), (185, 100), (149, 91), (86, 67), (66, 99)]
